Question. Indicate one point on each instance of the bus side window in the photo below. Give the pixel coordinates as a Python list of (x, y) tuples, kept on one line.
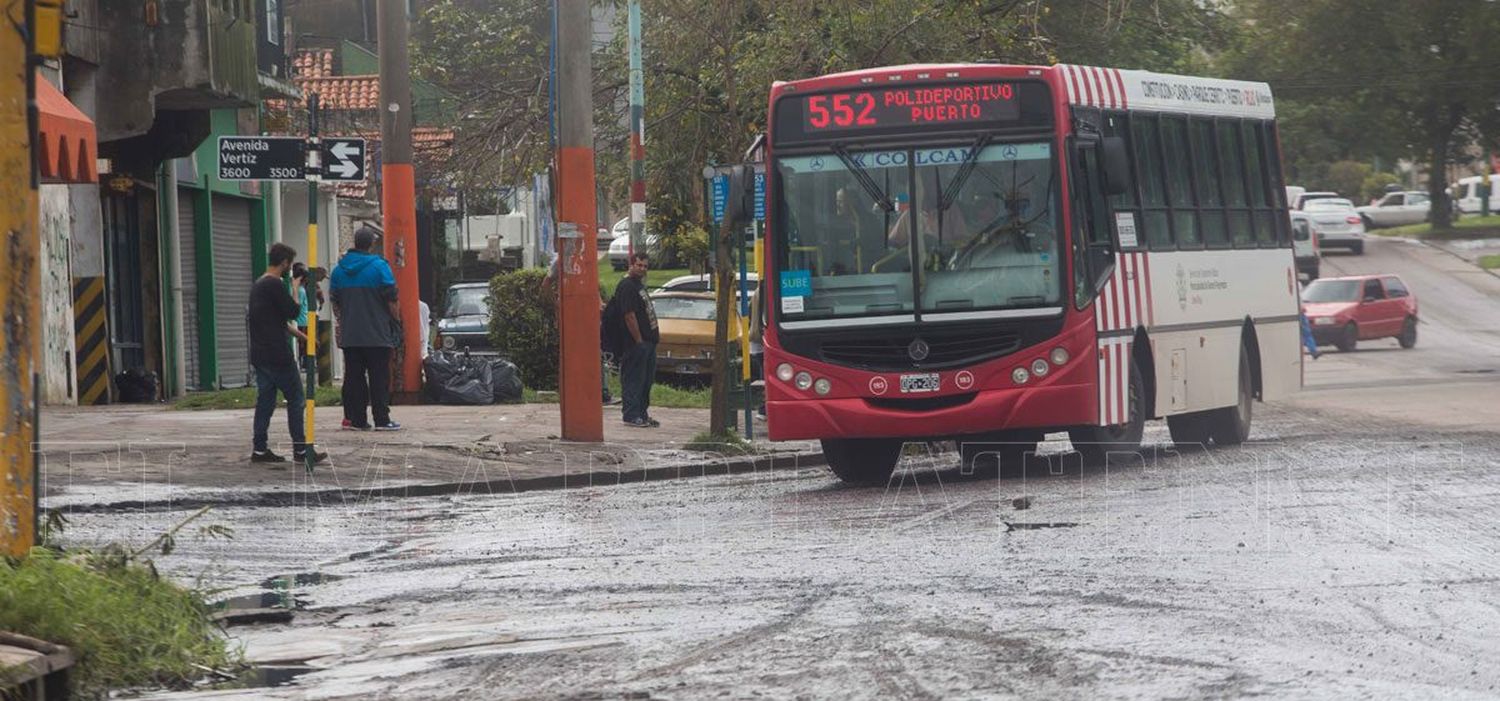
[(1091, 210)]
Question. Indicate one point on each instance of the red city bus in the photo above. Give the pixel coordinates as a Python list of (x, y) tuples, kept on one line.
[(991, 253)]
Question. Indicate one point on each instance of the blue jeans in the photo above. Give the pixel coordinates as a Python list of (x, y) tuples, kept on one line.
[(637, 372), (287, 381), (1307, 337)]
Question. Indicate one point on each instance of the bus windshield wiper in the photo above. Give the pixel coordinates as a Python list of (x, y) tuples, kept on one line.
[(865, 181), (950, 193)]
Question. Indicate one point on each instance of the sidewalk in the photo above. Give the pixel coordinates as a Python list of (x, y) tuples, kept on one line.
[(1471, 250), (131, 456)]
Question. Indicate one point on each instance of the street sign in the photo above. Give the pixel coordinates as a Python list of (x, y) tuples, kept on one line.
[(261, 157), (719, 191), (343, 159)]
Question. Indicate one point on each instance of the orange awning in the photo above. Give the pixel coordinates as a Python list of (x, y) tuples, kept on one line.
[(66, 143)]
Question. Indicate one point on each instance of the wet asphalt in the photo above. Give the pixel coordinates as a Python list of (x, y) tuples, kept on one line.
[(1336, 555)]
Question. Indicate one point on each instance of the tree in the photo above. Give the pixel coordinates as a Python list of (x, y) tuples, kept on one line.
[(1359, 78)]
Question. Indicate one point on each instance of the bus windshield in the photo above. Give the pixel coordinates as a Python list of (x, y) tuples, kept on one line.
[(953, 241)]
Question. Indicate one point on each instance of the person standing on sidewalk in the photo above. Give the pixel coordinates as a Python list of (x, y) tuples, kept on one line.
[(638, 362), (364, 299), (271, 310)]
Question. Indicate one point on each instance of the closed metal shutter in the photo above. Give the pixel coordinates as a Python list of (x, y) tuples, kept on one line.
[(187, 251), (232, 280)]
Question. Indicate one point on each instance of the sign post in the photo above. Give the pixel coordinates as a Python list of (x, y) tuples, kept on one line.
[(296, 158), (310, 360)]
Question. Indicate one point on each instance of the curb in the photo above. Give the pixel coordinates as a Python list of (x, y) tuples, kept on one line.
[(575, 480)]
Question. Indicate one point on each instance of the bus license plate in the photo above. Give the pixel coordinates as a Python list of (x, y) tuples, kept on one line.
[(924, 382)]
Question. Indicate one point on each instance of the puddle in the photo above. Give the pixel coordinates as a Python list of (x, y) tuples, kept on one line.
[(1010, 526), (300, 579), (273, 675), (280, 593), (1480, 371)]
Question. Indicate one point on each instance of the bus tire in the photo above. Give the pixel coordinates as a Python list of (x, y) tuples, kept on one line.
[(1095, 442), (863, 461), (1189, 430), (1231, 424)]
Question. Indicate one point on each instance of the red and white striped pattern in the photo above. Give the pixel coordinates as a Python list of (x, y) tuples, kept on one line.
[(1094, 86), (1124, 304), (1114, 380)]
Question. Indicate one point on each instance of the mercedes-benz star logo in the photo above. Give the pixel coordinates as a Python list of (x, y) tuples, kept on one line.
[(918, 350)]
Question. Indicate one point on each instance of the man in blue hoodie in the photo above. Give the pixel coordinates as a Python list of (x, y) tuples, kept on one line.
[(364, 300)]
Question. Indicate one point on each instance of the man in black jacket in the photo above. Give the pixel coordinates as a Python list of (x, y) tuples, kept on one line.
[(271, 311), (638, 362)]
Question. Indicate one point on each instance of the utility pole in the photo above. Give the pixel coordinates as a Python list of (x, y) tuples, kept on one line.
[(20, 278), (637, 131), (578, 265), (398, 194)]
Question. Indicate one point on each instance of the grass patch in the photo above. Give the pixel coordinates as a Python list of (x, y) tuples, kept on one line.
[(724, 444), (609, 277), (662, 395), (127, 626), (1470, 227), (243, 398), (1490, 262)]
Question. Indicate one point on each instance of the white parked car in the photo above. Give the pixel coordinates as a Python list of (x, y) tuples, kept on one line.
[(1338, 225), (1301, 200), (619, 249), (1396, 209), (704, 283), (1305, 245)]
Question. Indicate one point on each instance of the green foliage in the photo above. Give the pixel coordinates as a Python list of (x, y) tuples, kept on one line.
[(689, 245), (724, 444), (523, 325), (243, 398), (127, 626), (1490, 262), (1347, 178), (1376, 183)]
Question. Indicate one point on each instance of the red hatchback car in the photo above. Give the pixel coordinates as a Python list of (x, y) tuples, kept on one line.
[(1346, 310)]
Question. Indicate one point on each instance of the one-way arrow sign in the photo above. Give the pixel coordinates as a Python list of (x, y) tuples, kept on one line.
[(343, 159)]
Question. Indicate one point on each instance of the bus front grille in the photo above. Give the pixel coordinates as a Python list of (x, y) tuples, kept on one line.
[(893, 352)]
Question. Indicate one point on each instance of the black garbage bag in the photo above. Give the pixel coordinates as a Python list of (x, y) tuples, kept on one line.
[(505, 381), (451, 378), (137, 386)]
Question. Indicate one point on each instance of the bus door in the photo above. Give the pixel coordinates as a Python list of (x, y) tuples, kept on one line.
[(1099, 168)]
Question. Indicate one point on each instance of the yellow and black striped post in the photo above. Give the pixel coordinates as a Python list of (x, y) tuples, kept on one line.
[(91, 340), (310, 361)]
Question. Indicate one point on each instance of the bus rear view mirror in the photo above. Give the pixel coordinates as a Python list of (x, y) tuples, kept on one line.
[(1116, 161)]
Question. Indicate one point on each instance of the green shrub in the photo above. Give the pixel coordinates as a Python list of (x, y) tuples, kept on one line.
[(126, 626), (523, 325), (689, 245)]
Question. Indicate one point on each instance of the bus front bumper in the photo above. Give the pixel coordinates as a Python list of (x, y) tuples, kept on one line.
[(1044, 407)]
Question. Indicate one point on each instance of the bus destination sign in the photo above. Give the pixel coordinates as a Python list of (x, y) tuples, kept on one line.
[(909, 105)]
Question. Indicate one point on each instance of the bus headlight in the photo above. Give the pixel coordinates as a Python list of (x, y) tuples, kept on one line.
[(784, 372), (1020, 376), (803, 380), (822, 386), (1059, 356), (449, 342), (1039, 367)]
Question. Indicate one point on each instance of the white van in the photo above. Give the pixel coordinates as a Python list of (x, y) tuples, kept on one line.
[(1468, 194)]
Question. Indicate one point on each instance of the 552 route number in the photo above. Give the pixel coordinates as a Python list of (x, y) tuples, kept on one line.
[(837, 110)]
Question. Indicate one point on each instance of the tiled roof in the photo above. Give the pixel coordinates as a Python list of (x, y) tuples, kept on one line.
[(344, 92), (312, 63)]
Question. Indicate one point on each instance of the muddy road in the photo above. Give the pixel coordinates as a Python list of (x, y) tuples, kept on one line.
[(1352, 549)]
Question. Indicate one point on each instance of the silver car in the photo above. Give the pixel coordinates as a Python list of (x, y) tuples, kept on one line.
[(1396, 209), (1338, 224)]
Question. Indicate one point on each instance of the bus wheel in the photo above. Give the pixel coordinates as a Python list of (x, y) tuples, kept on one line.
[(867, 461), (1189, 430), (1231, 425), (1094, 442)]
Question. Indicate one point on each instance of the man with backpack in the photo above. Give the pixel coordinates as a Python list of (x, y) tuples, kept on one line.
[(630, 329)]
